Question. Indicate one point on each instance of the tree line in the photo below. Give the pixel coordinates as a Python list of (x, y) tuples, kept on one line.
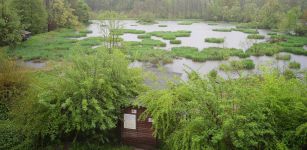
[(38, 16), (267, 13)]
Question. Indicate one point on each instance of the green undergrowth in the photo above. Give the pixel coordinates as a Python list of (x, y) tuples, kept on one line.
[(207, 53), (245, 64), (255, 36), (214, 40), (55, 45)]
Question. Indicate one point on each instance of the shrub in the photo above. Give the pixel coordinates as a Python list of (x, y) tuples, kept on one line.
[(255, 36), (175, 42), (214, 40), (294, 65), (222, 30), (283, 57)]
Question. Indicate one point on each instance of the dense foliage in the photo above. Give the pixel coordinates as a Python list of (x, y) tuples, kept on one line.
[(256, 112), (38, 16), (83, 101)]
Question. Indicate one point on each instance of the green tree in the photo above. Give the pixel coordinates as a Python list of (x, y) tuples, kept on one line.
[(10, 27), (33, 14), (81, 10), (290, 20), (60, 15)]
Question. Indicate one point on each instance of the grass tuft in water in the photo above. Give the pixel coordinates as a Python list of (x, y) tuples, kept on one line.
[(245, 64), (175, 42), (283, 56), (294, 65), (255, 36), (214, 40)]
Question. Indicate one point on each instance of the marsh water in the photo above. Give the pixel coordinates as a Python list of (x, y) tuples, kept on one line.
[(200, 31)]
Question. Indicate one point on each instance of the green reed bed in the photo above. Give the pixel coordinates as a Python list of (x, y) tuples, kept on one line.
[(214, 40), (175, 42), (207, 53), (294, 65), (55, 45), (187, 22), (222, 30), (144, 51), (125, 31), (248, 31), (283, 57), (255, 36), (245, 64), (170, 35)]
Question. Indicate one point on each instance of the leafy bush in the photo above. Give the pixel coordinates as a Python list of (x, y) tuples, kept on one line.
[(237, 114), (214, 40), (175, 42), (84, 101), (255, 36), (294, 65), (283, 57)]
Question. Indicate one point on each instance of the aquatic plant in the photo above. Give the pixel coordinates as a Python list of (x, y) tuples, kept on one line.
[(175, 42), (255, 36), (214, 40), (222, 30), (245, 64), (283, 56), (207, 53), (294, 65), (248, 31)]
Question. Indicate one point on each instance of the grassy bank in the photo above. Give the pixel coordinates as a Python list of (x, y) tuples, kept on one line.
[(55, 45)]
